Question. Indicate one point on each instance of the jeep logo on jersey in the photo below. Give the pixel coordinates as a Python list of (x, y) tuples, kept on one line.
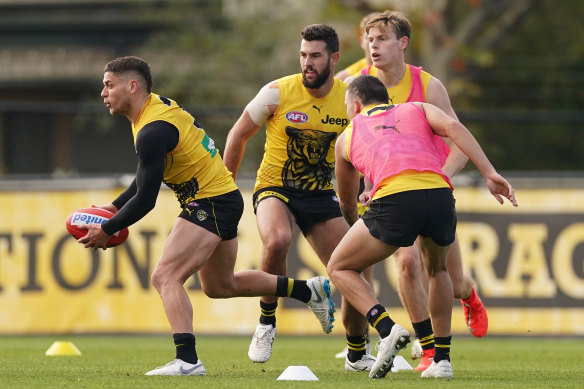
[(343, 122), (296, 117)]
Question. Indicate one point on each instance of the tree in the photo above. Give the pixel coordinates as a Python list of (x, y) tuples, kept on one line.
[(513, 71), (499, 60)]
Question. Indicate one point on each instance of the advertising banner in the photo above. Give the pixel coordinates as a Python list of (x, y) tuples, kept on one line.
[(527, 263)]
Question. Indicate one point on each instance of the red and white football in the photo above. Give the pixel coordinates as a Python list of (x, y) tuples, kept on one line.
[(84, 216)]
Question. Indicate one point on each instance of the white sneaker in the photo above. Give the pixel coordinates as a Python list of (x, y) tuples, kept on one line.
[(179, 367), (260, 348), (321, 303), (442, 369), (363, 364), (416, 351), (387, 349)]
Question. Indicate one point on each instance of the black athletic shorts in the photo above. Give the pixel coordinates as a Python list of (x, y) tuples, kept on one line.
[(398, 219), (309, 207), (219, 214)]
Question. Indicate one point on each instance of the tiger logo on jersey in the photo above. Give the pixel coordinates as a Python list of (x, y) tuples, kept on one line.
[(307, 167)]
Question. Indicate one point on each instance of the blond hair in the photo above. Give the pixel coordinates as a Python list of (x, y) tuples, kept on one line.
[(395, 20)]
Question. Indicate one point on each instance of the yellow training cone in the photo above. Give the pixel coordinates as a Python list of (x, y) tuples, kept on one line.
[(62, 348)]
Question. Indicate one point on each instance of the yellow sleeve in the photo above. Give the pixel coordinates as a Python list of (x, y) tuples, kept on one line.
[(426, 77), (349, 133)]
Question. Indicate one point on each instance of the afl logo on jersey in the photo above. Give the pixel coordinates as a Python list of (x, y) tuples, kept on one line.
[(296, 117)]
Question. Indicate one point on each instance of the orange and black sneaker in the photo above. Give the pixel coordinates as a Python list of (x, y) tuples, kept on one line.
[(475, 315), (426, 361)]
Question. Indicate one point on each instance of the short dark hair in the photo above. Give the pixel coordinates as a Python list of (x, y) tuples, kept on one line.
[(368, 90), (322, 32), (131, 64)]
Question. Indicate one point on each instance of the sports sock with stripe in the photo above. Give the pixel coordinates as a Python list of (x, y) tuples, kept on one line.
[(442, 346), (289, 287), (356, 346), (185, 347), (380, 320), (425, 334), (268, 313)]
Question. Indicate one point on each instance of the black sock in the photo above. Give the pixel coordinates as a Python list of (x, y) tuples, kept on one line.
[(289, 287), (380, 320), (425, 334), (185, 347), (442, 346), (268, 313), (356, 346)]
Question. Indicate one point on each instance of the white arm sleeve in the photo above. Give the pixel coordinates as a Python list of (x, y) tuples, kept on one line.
[(258, 108)]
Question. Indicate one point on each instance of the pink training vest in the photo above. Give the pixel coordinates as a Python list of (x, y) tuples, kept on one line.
[(417, 94), (388, 143)]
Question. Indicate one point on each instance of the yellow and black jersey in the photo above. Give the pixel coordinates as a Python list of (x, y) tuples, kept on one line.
[(193, 169), (300, 137)]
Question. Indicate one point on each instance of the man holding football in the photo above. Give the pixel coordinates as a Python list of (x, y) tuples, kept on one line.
[(173, 148)]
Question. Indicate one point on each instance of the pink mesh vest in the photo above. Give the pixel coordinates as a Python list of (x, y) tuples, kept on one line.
[(388, 143), (417, 94)]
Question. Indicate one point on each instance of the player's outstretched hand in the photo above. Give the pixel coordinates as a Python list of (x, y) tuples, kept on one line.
[(499, 186)]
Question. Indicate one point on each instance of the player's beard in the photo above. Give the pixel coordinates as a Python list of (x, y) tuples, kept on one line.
[(319, 80)]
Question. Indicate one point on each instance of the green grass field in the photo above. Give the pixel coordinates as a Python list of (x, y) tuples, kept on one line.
[(121, 361)]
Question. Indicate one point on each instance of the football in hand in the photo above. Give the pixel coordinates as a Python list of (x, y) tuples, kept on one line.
[(85, 216)]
